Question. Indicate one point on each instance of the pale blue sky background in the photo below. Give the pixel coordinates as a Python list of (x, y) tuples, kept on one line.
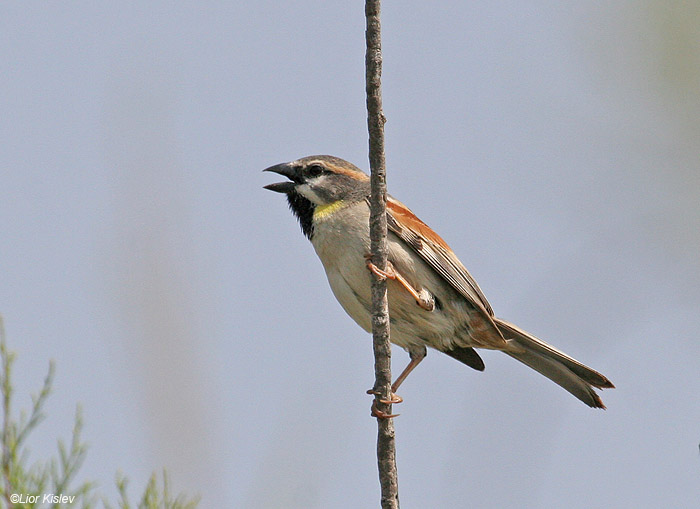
[(554, 145)]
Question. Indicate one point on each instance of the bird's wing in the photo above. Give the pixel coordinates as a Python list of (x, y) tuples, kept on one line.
[(436, 253)]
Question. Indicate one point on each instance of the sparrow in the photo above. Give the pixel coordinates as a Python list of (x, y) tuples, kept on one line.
[(433, 301)]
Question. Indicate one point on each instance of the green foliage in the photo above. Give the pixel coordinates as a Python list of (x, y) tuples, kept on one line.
[(39, 485), (153, 497)]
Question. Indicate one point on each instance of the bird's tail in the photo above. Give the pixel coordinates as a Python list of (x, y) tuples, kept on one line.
[(570, 374)]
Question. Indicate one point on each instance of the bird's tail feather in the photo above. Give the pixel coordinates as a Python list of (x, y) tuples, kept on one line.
[(563, 370)]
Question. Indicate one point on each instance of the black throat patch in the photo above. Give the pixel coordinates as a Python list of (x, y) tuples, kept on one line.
[(304, 210)]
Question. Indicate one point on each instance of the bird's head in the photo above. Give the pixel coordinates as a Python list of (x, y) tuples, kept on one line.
[(318, 185)]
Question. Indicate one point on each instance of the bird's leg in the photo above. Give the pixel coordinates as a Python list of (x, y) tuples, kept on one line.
[(395, 398), (415, 360), (423, 298)]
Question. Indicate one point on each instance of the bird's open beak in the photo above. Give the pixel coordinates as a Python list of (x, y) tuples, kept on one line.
[(286, 170)]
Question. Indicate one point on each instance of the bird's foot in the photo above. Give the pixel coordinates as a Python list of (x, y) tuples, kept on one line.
[(395, 399), (423, 298), (389, 273), (379, 414)]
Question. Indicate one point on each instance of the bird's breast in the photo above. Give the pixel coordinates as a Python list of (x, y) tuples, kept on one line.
[(341, 241)]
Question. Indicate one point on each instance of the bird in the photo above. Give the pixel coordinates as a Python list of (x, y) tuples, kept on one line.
[(433, 300)]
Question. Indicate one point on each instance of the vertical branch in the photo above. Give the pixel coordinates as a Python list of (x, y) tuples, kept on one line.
[(386, 450)]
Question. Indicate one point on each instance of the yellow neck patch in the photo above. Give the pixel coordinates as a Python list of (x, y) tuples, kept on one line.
[(321, 212)]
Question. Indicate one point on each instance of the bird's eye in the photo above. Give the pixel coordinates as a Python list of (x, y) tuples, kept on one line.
[(314, 170)]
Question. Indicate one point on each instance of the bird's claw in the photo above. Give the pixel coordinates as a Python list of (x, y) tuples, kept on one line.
[(389, 273), (395, 399), (379, 414), (423, 297)]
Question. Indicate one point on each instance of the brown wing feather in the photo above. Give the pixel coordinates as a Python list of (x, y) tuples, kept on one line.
[(435, 251), (438, 255), (403, 215)]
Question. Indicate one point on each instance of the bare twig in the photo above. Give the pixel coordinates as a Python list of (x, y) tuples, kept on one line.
[(386, 451)]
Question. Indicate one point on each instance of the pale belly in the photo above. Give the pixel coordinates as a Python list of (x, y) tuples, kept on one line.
[(411, 326)]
